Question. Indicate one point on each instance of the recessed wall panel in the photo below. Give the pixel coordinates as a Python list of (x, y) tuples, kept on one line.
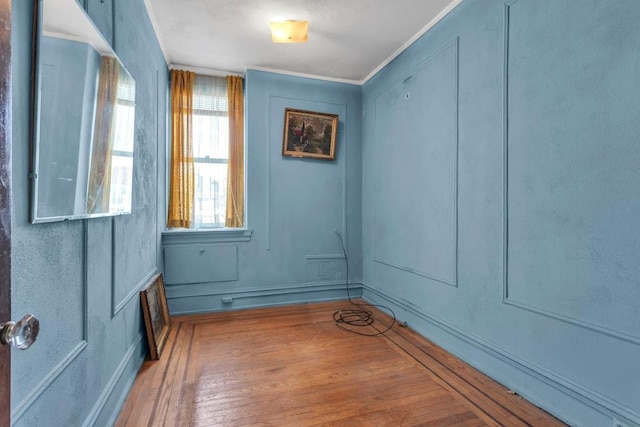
[(416, 167), (200, 263), (53, 273), (572, 161), (306, 197), (134, 236)]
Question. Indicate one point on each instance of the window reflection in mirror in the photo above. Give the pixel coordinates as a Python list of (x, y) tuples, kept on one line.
[(111, 167), (84, 112)]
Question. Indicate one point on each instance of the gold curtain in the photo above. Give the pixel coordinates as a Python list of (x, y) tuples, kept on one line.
[(235, 173), (181, 186), (99, 190)]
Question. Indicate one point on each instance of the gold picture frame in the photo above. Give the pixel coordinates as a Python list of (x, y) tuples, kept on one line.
[(309, 134), (156, 315)]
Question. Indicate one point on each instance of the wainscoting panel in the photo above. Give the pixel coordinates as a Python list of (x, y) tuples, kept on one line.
[(533, 380), (416, 128), (547, 200), (107, 407), (74, 275), (63, 347), (320, 187), (127, 272), (134, 239), (202, 263), (571, 163)]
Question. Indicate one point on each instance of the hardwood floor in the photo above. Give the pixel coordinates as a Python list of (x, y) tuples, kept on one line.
[(292, 366)]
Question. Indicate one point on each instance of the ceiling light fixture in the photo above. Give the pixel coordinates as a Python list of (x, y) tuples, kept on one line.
[(289, 31)]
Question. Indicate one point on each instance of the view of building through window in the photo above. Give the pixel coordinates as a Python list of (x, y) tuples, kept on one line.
[(122, 151), (210, 150)]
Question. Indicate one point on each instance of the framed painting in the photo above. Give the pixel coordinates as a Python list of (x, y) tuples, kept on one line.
[(309, 134), (156, 315)]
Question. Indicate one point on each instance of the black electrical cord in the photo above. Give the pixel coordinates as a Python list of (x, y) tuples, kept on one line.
[(350, 318)]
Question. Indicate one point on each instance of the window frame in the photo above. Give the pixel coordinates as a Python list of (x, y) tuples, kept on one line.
[(201, 234)]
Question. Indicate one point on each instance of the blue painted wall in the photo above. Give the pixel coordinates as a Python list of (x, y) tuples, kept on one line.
[(81, 278), (293, 208), (486, 181), (500, 198)]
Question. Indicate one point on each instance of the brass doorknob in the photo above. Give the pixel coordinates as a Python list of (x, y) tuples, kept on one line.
[(20, 334)]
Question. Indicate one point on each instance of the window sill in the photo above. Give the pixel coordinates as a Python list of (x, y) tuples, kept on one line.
[(221, 235)]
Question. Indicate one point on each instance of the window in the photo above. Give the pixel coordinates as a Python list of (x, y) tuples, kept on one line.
[(122, 152), (206, 185), (210, 150)]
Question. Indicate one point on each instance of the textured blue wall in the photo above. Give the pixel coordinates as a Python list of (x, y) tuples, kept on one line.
[(81, 278), (500, 194), (488, 195), (293, 208)]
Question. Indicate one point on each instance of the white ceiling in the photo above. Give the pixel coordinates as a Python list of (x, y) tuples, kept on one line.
[(348, 39)]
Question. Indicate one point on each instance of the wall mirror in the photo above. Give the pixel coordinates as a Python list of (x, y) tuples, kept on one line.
[(83, 119)]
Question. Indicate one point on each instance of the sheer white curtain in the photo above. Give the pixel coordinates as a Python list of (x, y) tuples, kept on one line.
[(210, 150)]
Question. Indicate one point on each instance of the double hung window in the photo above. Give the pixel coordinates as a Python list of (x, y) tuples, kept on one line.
[(210, 150), (206, 188)]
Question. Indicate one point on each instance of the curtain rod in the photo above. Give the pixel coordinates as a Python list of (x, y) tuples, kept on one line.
[(205, 71)]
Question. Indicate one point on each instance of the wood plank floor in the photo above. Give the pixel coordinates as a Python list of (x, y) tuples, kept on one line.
[(292, 366)]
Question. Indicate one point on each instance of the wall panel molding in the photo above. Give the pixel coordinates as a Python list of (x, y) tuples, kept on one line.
[(107, 392), (116, 308), (403, 77), (581, 323), (205, 263), (57, 370), (505, 157), (341, 151), (417, 273), (156, 129), (267, 157), (590, 400), (406, 77), (507, 299), (345, 180), (22, 407), (323, 256), (85, 278)]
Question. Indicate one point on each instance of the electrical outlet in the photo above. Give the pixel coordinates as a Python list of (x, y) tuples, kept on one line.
[(227, 300)]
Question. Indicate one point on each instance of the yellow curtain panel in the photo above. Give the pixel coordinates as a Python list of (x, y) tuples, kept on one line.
[(235, 177), (99, 191), (181, 187)]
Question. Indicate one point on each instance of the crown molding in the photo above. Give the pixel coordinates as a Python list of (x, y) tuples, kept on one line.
[(439, 17), (309, 76)]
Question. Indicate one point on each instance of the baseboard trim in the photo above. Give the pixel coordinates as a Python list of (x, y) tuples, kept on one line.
[(565, 399), (122, 381), (184, 301)]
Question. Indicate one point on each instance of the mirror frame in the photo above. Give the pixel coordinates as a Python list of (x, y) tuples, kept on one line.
[(104, 50)]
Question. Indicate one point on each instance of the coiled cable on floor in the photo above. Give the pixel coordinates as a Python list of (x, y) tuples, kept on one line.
[(351, 318)]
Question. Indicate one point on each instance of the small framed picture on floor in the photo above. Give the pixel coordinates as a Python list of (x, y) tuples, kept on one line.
[(156, 315)]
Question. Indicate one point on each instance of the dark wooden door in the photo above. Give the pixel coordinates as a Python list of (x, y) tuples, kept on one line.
[(5, 205)]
